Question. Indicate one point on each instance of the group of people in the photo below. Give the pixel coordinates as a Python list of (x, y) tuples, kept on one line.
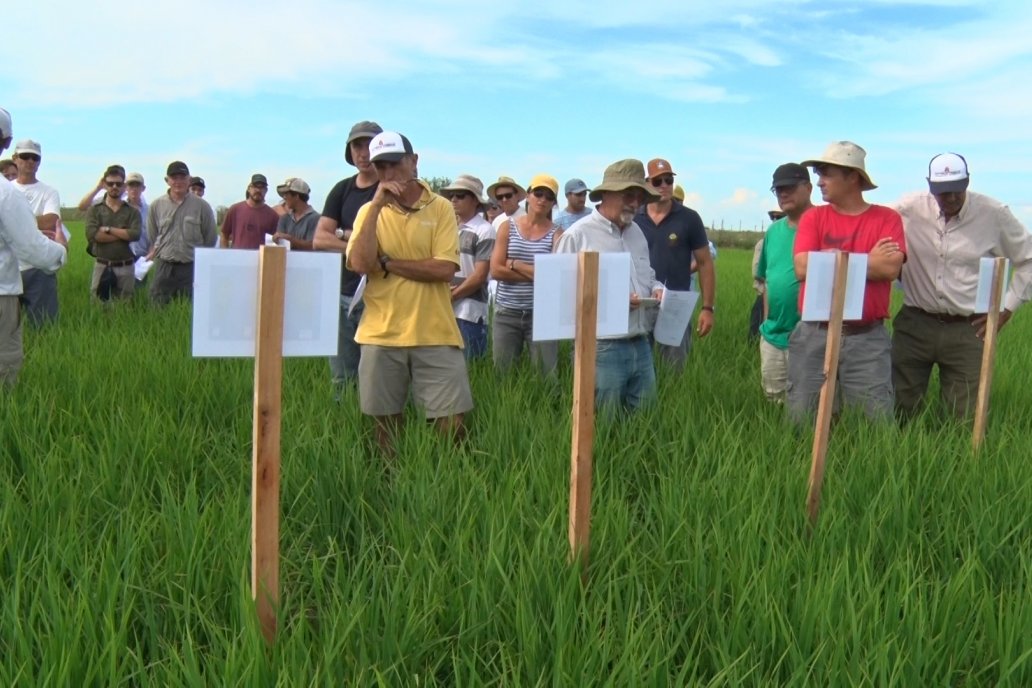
[(433, 264), (930, 243)]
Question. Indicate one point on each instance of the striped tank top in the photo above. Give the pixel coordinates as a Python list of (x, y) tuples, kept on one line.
[(520, 295)]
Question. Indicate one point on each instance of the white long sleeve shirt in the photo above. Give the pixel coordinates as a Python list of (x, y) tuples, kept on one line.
[(20, 240)]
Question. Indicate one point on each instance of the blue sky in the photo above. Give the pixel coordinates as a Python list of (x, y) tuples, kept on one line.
[(726, 91)]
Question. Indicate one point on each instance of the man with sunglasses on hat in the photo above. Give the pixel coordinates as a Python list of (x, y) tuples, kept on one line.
[(508, 194), (39, 298), (677, 246), (406, 243), (247, 222), (476, 242), (949, 229), (110, 227), (851, 224), (20, 242)]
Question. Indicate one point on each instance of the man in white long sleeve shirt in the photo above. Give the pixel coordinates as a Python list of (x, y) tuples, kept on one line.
[(20, 240)]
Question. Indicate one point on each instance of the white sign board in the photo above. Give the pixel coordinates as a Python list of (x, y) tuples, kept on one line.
[(555, 295), (985, 284), (675, 315), (225, 303), (820, 280)]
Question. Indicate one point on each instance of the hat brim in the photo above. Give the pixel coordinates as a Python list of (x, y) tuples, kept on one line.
[(352, 138), (520, 191), (868, 185), (596, 194), (388, 157), (448, 190), (955, 186)]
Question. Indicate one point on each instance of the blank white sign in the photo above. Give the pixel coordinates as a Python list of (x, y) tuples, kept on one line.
[(555, 295), (820, 281)]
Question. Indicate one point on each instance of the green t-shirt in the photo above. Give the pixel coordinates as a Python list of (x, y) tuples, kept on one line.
[(776, 267)]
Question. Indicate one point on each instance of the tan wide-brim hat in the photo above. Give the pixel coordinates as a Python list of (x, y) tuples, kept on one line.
[(466, 182), (845, 154), (521, 193), (623, 175)]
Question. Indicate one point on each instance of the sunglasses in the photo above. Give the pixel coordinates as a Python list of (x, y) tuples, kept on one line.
[(460, 195), (133, 184), (505, 196), (667, 180), (114, 185), (28, 156), (545, 194)]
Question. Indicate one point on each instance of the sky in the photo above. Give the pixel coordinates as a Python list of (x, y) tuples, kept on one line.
[(725, 91)]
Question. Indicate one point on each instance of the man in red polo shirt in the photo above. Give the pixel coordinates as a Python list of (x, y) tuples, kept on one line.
[(248, 221), (851, 224)]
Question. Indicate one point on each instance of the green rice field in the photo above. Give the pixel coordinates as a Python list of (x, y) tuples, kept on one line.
[(125, 477)]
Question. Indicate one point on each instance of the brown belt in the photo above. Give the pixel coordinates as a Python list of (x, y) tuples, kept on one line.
[(855, 328), (115, 263), (944, 318)]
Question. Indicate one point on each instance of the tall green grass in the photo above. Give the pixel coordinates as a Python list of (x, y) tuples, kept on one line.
[(124, 528)]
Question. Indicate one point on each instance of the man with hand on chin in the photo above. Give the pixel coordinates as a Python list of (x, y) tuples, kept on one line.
[(625, 375), (406, 242)]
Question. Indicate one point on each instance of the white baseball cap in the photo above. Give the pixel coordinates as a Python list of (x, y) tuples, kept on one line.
[(948, 173)]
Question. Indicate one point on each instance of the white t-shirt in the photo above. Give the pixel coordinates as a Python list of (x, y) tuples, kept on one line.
[(43, 200), (503, 218)]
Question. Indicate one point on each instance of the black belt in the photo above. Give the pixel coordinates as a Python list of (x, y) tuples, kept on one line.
[(115, 263), (855, 328), (944, 318)]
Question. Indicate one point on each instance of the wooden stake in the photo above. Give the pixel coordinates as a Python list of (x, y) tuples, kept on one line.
[(827, 399), (583, 409), (268, 377), (985, 379)]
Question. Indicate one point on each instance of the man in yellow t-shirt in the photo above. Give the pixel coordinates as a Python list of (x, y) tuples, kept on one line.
[(406, 243)]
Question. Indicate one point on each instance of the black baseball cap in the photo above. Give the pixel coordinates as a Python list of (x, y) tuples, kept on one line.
[(177, 167), (197, 181), (257, 179), (789, 174)]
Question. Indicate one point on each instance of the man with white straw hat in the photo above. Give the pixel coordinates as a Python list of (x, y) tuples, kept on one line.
[(476, 241), (625, 375), (508, 194), (949, 229), (851, 224)]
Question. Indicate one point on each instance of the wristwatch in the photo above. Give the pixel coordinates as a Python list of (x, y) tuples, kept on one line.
[(383, 264), (708, 308), (339, 232), (106, 229)]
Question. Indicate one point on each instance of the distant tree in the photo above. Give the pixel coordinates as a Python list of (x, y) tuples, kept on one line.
[(220, 214), (437, 183)]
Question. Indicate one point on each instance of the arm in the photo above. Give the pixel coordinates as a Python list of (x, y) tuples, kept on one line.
[(708, 287), (885, 261), (325, 238), (500, 269), (152, 232), (422, 270), (87, 200), (472, 283), (131, 232), (208, 228), (18, 229), (92, 225)]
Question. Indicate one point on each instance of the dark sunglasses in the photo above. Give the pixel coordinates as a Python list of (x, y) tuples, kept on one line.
[(668, 180), (505, 196), (133, 184), (460, 195), (545, 194), (28, 156), (115, 185)]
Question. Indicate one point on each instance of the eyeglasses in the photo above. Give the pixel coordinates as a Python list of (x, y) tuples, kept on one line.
[(545, 194), (667, 180), (460, 195), (28, 156), (133, 184), (505, 196), (115, 185)]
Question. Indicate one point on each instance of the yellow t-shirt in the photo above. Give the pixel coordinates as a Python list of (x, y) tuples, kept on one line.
[(404, 312)]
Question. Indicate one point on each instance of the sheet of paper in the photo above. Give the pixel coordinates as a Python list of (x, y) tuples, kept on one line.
[(985, 284), (142, 267), (357, 298), (225, 303), (271, 241), (675, 316), (555, 295), (820, 279)]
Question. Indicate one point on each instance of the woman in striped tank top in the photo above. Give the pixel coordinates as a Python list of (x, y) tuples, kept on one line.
[(512, 264)]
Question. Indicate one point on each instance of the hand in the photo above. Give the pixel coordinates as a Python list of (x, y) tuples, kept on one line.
[(388, 192), (885, 247), (635, 300), (980, 321), (705, 323), (657, 294)]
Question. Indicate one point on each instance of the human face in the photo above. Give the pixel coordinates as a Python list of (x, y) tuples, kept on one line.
[(621, 206), (10, 171), (507, 199), (542, 200), (133, 191), (360, 154), (115, 186), (834, 183), (179, 184), (576, 201), (402, 171), (27, 164), (795, 198), (664, 186), (291, 200), (256, 193), (492, 211), (951, 203), (197, 190), (464, 204)]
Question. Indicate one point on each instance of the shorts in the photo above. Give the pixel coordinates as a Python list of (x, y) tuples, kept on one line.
[(436, 376)]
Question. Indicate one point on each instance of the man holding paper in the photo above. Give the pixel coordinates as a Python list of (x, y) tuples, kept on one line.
[(949, 229), (625, 375), (851, 224)]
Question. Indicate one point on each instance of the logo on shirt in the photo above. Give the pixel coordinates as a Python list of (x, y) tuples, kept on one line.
[(672, 239)]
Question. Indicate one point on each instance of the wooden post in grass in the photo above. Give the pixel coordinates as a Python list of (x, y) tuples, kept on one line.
[(583, 409), (985, 379), (827, 400), (265, 478)]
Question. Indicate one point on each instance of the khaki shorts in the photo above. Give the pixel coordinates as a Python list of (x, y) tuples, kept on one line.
[(436, 375)]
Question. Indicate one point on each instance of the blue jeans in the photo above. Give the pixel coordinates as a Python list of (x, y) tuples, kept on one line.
[(474, 338), (344, 366), (624, 373)]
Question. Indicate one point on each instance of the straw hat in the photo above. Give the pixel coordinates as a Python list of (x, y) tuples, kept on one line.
[(521, 193), (466, 182), (845, 154)]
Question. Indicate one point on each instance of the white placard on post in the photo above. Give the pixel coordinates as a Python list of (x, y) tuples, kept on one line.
[(555, 295), (675, 316), (225, 303), (985, 284), (820, 278)]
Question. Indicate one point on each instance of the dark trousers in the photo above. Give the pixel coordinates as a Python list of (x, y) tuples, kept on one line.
[(171, 280)]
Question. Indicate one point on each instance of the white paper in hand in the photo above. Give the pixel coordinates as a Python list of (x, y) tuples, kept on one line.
[(675, 316)]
